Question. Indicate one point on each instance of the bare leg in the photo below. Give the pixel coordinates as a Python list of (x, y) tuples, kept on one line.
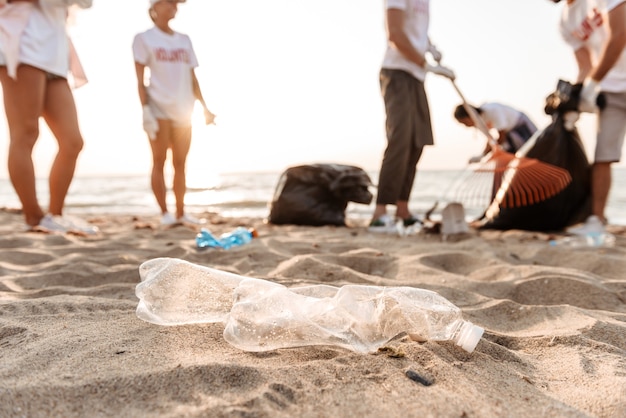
[(180, 149), (60, 115), (402, 209), (159, 154), (23, 103), (600, 187), (379, 211)]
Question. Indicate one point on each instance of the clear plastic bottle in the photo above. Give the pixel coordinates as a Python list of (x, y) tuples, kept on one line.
[(269, 316), (239, 236), (176, 292), (589, 240), (260, 315)]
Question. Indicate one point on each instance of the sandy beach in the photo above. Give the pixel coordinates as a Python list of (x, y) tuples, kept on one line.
[(71, 344)]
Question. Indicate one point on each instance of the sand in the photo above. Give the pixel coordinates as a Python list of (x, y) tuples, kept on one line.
[(72, 346)]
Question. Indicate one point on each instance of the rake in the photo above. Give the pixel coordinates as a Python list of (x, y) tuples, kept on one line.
[(515, 179), (520, 180)]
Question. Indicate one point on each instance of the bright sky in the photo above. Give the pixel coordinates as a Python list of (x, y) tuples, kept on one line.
[(296, 81)]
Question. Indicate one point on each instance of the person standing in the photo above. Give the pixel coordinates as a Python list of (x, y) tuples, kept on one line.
[(408, 124), (514, 127), (596, 31), (36, 56), (168, 102)]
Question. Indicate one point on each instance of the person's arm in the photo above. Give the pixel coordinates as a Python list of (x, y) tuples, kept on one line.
[(141, 87), (583, 60), (398, 38), (615, 45), (209, 117), (609, 56), (150, 123), (502, 137), (434, 52)]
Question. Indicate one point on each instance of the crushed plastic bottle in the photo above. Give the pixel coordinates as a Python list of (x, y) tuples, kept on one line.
[(239, 236), (260, 315), (589, 240)]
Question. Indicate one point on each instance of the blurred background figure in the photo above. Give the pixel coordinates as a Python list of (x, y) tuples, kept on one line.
[(408, 123), (168, 97), (596, 32), (514, 127), (36, 56)]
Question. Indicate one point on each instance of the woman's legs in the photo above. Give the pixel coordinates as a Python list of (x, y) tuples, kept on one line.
[(60, 114), (179, 140), (180, 148), (24, 102), (159, 147)]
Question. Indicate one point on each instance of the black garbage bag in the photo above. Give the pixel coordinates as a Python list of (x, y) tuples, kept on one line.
[(562, 148), (318, 194)]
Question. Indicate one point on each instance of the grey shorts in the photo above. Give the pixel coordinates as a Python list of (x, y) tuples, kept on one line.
[(611, 129)]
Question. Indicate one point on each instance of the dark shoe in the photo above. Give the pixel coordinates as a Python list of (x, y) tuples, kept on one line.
[(383, 224), (412, 220)]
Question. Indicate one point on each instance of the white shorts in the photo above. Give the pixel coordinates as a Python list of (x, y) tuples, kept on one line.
[(611, 129), (160, 114)]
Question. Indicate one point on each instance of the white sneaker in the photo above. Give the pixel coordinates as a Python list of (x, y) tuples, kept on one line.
[(61, 224), (384, 224), (50, 223), (168, 219), (190, 220), (79, 226), (592, 226)]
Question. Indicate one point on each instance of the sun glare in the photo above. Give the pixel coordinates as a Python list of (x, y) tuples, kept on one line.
[(201, 172)]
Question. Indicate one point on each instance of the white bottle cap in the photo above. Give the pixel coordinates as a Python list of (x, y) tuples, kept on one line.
[(469, 336)]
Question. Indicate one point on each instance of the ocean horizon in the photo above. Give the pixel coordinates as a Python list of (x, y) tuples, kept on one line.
[(250, 195)]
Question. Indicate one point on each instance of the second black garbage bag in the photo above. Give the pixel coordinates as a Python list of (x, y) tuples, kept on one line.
[(318, 194)]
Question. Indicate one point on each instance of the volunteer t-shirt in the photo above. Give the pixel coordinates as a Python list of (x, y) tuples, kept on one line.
[(417, 20), (44, 43), (584, 23), (171, 59), (499, 116)]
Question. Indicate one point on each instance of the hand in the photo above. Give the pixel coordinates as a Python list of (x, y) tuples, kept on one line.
[(589, 96), (476, 159), (150, 123), (440, 70), (209, 118), (434, 52), (569, 120)]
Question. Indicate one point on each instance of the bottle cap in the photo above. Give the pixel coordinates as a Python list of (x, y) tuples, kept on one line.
[(469, 336), (253, 232)]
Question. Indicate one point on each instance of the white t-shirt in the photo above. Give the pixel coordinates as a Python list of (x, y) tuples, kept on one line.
[(499, 116), (171, 59), (44, 43), (417, 20), (584, 23)]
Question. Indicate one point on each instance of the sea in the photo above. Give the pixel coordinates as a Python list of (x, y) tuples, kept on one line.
[(249, 195)]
